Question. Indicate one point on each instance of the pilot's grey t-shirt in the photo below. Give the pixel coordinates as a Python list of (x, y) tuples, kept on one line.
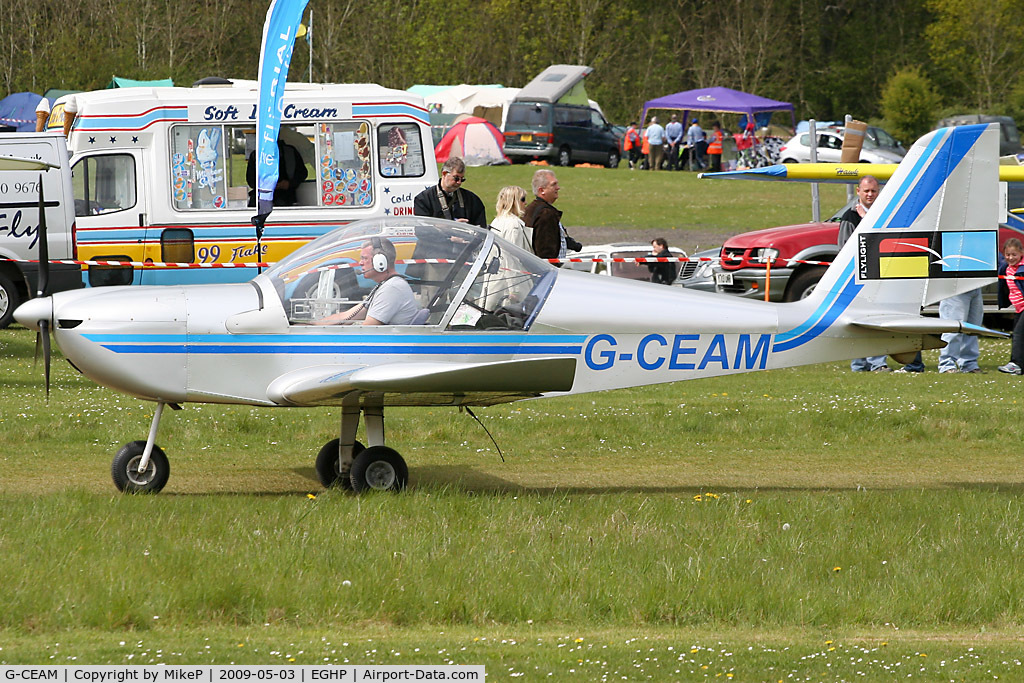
[(393, 302)]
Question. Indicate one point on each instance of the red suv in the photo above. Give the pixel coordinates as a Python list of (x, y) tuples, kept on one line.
[(743, 269)]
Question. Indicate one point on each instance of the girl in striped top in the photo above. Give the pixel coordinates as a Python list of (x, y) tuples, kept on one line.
[(1011, 291)]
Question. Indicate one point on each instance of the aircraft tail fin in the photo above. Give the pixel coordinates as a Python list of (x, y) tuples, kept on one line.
[(933, 231)]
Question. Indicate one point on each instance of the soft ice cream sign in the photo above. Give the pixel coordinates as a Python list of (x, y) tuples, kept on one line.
[(233, 113)]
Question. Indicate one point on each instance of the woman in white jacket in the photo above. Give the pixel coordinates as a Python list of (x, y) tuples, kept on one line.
[(508, 223)]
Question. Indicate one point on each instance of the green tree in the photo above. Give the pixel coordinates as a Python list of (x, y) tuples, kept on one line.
[(977, 45), (909, 104), (846, 48)]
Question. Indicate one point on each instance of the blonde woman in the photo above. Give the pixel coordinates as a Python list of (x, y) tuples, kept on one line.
[(511, 206)]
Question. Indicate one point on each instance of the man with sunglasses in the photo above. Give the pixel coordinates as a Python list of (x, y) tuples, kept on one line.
[(448, 199)]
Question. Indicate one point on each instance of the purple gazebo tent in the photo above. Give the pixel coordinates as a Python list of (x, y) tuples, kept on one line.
[(718, 100)]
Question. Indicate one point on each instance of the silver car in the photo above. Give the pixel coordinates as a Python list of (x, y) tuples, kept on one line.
[(879, 147)]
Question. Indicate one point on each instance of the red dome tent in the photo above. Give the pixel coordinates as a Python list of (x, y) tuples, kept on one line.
[(474, 139)]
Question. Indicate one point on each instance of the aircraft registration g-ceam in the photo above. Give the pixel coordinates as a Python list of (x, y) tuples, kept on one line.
[(495, 324)]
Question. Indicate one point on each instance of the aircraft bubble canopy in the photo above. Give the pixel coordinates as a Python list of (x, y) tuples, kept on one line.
[(465, 275)]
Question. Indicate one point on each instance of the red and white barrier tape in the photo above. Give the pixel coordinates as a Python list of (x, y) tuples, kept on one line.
[(163, 264), (156, 265)]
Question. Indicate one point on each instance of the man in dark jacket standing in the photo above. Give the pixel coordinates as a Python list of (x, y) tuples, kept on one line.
[(448, 199), (549, 237)]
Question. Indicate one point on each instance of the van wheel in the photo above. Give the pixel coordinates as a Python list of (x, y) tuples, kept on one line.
[(9, 300), (565, 157), (613, 159), (801, 286), (789, 161)]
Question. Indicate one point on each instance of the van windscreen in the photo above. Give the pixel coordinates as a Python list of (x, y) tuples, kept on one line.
[(528, 116)]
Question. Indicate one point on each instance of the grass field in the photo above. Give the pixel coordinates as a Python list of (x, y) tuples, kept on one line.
[(689, 212), (808, 524), (805, 524)]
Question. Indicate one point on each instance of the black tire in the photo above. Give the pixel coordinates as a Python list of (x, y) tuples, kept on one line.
[(379, 468), (565, 157), (10, 299), (801, 286), (789, 161), (328, 465), (125, 469), (613, 159)]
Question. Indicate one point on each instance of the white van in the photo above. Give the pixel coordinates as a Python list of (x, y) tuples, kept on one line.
[(19, 219), (160, 174)]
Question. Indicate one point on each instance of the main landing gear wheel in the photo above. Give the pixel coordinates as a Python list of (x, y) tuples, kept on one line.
[(379, 468), (328, 465), (125, 469)]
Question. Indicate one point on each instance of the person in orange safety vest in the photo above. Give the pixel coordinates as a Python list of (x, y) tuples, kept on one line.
[(715, 148), (631, 145)]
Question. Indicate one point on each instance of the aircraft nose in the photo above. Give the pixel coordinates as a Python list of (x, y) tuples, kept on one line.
[(32, 311)]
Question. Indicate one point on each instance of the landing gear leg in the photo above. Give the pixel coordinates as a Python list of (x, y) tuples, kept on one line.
[(141, 466), (347, 463), (151, 439), (374, 425), (334, 461), (378, 467)]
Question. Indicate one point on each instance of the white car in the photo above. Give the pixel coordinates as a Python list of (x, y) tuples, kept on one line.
[(879, 147), (691, 274)]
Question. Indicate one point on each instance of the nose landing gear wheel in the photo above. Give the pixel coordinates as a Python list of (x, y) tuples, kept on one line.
[(328, 465), (379, 468), (125, 469)]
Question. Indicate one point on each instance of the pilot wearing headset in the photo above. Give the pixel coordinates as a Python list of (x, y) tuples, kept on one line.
[(392, 301)]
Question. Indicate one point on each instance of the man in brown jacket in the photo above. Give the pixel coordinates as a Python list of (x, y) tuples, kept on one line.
[(549, 237)]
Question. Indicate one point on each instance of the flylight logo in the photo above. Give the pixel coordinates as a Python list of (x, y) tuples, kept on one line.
[(912, 255)]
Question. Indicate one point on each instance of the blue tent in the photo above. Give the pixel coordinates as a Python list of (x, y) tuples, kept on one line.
[(119, 82), (18, 111)]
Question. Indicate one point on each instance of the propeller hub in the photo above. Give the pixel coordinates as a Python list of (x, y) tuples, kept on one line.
[(32, 311)]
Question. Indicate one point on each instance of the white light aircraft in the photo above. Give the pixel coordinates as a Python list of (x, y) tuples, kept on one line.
[(496, 324)]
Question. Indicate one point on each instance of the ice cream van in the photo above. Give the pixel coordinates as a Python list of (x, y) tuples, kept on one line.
[(166, 174)]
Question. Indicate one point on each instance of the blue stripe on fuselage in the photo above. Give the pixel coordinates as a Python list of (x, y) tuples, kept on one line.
[(238, 339), (841, 303), (319, 349), (354, 344), (820, 311)]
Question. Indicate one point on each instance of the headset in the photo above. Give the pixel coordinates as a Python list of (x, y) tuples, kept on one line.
[(381, 259)]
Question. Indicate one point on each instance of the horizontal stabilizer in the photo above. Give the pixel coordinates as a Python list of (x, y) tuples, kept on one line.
[(833, 173), (326, 383), (915, 324)]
